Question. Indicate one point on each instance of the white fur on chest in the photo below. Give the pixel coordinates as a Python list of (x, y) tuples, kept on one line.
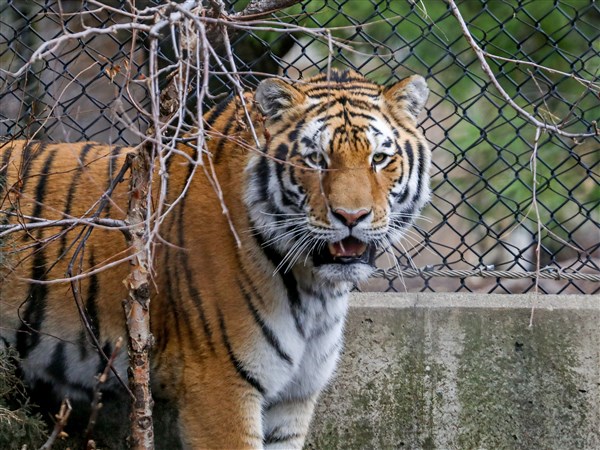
[(311, 333)]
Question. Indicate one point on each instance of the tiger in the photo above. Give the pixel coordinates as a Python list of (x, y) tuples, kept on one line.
[(319, 176)]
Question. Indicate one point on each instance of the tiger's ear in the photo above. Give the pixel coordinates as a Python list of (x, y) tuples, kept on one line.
[(408, 96), (275, 96)]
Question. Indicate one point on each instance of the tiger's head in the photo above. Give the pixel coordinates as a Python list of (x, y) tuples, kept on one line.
[(344, 171)]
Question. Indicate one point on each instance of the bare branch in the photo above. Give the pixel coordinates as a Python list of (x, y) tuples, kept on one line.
[(259, 8), (534, 202), (82, 275), (97, 397), (137, 306), (593, 85), (49, 47), (61, 422), (92, 222)]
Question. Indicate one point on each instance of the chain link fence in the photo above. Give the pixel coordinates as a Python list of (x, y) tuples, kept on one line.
[(509, 213)]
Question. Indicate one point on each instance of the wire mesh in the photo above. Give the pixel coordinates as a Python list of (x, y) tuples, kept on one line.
[(493, 220)]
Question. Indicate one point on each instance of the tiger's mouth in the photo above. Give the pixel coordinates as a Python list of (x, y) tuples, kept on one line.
[(347, 251)]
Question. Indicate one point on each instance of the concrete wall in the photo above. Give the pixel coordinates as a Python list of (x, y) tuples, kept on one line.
[(454, 371)]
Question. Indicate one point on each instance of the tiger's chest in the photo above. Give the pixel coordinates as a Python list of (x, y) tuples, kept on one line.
[(311, 336)]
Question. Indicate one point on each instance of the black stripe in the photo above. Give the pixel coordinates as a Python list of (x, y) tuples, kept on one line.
[(113, 157), (398, 126), (289, 281), (325, 328), (268, 334), (320, 93), (163, 338), (361, 104), (107, 351), (72, 188), (300, 198), (40, 190), (408, 151), (195, 296), (402, 196), (82, 345), (293, 134), (168, 165), (6, 154), (271, 439), (343, 113), (309, 143), (173, 299), (236, 362), (184, 263), (35, 311), (262, 173), (218, 151), (281, 153), (58, 364), (171, 279), (25, 163), (318, 109), (422, 175), (339, 76), (213, 115), (354, 85), (27, 160)]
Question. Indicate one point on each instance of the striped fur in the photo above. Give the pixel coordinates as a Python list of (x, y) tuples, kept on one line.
[(246, 336)]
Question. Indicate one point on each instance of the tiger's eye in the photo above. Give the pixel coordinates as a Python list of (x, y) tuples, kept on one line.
[(378, 158), (316, 159)]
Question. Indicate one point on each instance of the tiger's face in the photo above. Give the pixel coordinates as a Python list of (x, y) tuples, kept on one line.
[(345, 171)]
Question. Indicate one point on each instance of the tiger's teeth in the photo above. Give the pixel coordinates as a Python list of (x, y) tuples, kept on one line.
[(351, 249)]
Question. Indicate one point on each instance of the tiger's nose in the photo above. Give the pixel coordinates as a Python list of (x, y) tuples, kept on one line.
[(350, 218)]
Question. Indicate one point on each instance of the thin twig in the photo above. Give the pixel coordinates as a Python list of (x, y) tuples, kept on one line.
[(259, 8), (593, 85), (97, 222), (61, 422), (97, 397), (534, 202)]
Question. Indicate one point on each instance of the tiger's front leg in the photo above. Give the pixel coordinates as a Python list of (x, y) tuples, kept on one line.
[(219, 412), (286, 423)]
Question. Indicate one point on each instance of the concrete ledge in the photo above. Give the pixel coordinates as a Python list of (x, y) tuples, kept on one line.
[(465, 371), (460, 300)]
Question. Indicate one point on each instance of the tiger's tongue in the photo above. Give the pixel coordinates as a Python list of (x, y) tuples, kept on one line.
[(348, 247)]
